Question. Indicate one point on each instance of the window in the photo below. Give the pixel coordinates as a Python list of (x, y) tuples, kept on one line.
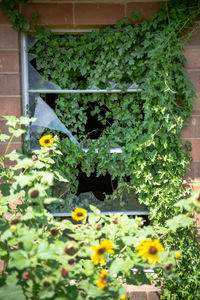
[(46, 99)]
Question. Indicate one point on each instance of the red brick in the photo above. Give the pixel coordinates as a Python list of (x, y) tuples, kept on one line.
[(193, 129), (193, 175), (9, 61), (9, 38), (197, 220), (192, 55), (195, 153), (4, 129), (144, 8), (153, 295), (10, 84), (195, 79), (3, 18), (98, 13), (50, 13), (196, 106), (10, 106), (195, 38)]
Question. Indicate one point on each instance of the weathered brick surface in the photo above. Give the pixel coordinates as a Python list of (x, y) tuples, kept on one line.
[(196, 105), (193, 128), (194, 174), (8, 37), (13, 146), (51, 13), (192, 55), (144, 8), (10, 106), (98, 13), (9, 61), (195, 38), (3, 18), (195, 79), (143, 292), (10, 84)]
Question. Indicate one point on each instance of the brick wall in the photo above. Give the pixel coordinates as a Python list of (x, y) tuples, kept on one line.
[(83, 14), (10, 83)]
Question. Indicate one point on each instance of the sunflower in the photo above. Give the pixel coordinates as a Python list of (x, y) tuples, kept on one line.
[(123, 297), (102, 282), (148, 250), (105, 246), (79, 214), (46, 140)]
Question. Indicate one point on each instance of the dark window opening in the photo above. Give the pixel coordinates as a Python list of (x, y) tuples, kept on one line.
[(99, 186)]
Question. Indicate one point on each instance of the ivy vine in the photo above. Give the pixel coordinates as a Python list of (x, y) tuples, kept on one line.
[(146, 124)]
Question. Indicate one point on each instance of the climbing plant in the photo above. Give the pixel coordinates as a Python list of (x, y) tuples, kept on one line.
[(146, 124)]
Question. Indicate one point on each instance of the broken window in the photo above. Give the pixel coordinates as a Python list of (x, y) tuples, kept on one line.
[(87, 117)]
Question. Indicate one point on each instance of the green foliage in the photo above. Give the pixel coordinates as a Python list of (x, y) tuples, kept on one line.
[(11, 10), (47, 259)]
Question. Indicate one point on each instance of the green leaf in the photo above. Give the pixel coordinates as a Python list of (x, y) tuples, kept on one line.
[(4, 137), (20, 260), (179, 221), (116, 266), (94, 209), (11, 290)]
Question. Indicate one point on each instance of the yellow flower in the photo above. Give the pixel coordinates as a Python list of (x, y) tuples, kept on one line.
[(148, 250), (79, 214), (105, 246), (13, 228), (178, 255), (102, 282), (123, 297), (46, 140)]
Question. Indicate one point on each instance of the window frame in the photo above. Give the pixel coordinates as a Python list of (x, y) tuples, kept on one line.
[(25, 102)]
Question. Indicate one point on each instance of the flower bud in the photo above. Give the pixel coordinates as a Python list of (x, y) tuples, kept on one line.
[(26, 275), (65, 272), (99, 226), (115, 221), (13, 228), (71, 261), (14, 221), (34, 157), (33, 193), (44, 181), (54, 232), (46, 284), (169, 267), (69, 249), (178, 255), (51, 152)]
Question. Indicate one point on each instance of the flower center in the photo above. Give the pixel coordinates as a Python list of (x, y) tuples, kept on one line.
[(152, 250), (46, 141), (79, 214), (101, 251)]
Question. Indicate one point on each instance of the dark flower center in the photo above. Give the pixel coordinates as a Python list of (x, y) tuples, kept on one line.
[(101, 251), (46, 141), (153, 250), (198, 198), (79, 214)]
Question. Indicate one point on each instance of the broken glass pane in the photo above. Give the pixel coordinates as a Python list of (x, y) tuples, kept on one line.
[(36, 81), (46, 118)]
